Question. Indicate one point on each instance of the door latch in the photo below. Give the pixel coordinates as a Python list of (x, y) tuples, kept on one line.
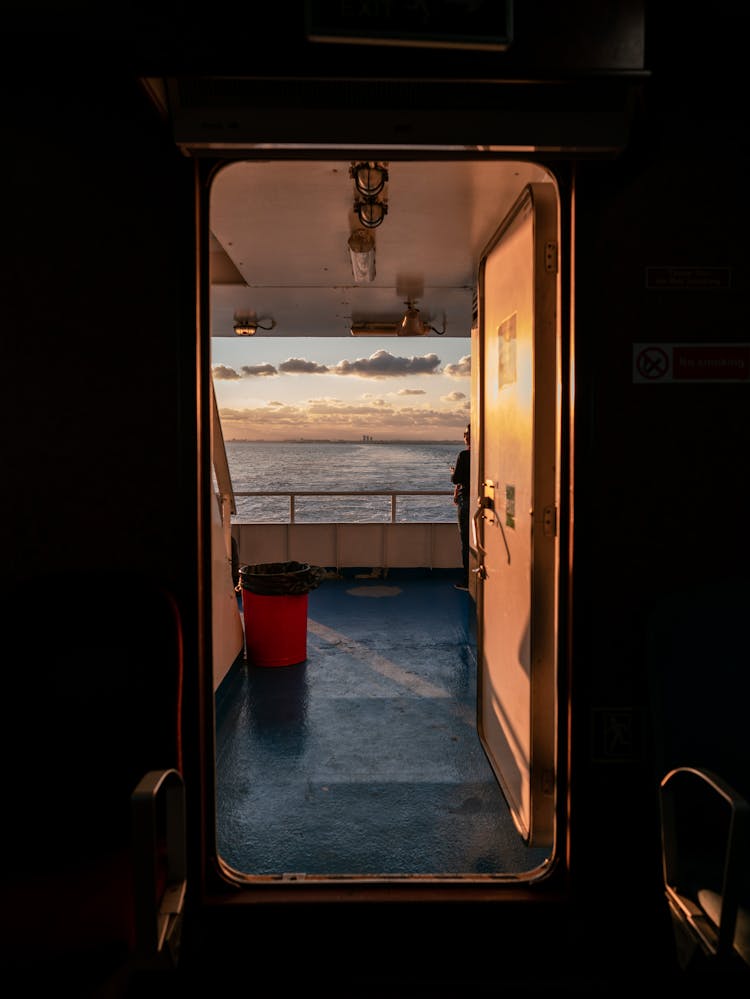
[(486, 511), (549, 521)]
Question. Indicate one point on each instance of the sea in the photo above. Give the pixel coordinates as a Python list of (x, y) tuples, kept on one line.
[(342, 466)]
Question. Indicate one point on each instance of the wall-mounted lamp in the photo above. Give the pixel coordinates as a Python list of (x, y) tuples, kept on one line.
[(412, 324), (370, 212), (362, 254), (245, 326), (369, 178)]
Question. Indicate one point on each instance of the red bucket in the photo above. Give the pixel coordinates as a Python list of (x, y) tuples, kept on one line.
[(275, 628)]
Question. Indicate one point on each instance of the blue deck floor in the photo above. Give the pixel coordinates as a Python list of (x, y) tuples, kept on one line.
[(364, 759)]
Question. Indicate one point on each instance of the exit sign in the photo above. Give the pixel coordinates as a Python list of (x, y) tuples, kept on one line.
[(456, 24)]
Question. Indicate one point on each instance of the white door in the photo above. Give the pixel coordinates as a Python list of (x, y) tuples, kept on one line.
[(514, 533)]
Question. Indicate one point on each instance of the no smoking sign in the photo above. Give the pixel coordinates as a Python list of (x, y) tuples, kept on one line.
[(659, 363)]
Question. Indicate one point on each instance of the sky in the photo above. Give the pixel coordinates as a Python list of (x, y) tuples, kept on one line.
[(335, 388)]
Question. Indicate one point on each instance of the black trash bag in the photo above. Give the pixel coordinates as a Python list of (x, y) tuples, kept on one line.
[(281, 578)]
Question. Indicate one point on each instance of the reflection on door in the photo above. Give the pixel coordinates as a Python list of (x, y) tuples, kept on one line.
[(515, 522)]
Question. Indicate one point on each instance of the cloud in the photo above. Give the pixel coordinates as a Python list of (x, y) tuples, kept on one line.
[(274, 414), (461, 369), (453, 397), (332, 417), (298, 366), (383, 364), (222, 373), (251, 370), (327, 407), (411, 392)]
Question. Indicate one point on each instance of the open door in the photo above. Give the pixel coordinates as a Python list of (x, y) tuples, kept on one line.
[(514, 526)]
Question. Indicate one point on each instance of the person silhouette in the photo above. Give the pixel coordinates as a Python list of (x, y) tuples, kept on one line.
[(460, 473)]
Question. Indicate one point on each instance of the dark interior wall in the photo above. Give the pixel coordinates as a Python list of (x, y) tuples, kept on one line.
[(98, 529), (98, 443), (98, 339), (660, 647)]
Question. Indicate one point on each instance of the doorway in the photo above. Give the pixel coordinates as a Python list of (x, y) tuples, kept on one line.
[(367, 644)]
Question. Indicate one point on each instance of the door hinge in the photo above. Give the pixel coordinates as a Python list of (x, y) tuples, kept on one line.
[(550, 257)]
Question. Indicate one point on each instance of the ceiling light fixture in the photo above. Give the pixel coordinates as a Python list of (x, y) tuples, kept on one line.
[(412, 324), (369, 178), (246, 326), (409, 325), (370, 212), (373, 329), (362, 254)]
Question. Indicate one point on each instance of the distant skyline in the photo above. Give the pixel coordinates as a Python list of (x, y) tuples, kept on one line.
[(275, 388)]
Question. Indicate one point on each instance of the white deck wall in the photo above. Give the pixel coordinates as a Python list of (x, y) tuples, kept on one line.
[(340, 546)]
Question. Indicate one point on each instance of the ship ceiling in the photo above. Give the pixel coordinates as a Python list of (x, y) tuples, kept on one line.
[(280, 234)]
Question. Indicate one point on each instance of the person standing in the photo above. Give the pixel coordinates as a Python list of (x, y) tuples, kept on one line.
[(460, 477)]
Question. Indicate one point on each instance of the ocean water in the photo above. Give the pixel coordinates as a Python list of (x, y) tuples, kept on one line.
[(341, 466)]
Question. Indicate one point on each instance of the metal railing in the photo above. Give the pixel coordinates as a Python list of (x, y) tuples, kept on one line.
[(394, 495)]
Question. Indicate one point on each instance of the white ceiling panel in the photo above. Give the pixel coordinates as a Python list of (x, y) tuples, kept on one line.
[(280, 231)]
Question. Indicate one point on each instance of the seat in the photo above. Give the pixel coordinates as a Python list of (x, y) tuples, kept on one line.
[(706, 867), (91, 708)]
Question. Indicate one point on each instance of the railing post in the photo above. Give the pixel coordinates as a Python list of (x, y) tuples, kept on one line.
[(226, 523)]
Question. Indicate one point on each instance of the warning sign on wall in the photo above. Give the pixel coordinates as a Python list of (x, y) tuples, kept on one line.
[(688, 278), (659, 363)]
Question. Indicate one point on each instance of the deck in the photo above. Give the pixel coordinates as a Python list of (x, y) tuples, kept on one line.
[(364, 760)]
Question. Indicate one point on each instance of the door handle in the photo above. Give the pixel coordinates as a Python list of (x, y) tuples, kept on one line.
[(474, 532), (486, 503)]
